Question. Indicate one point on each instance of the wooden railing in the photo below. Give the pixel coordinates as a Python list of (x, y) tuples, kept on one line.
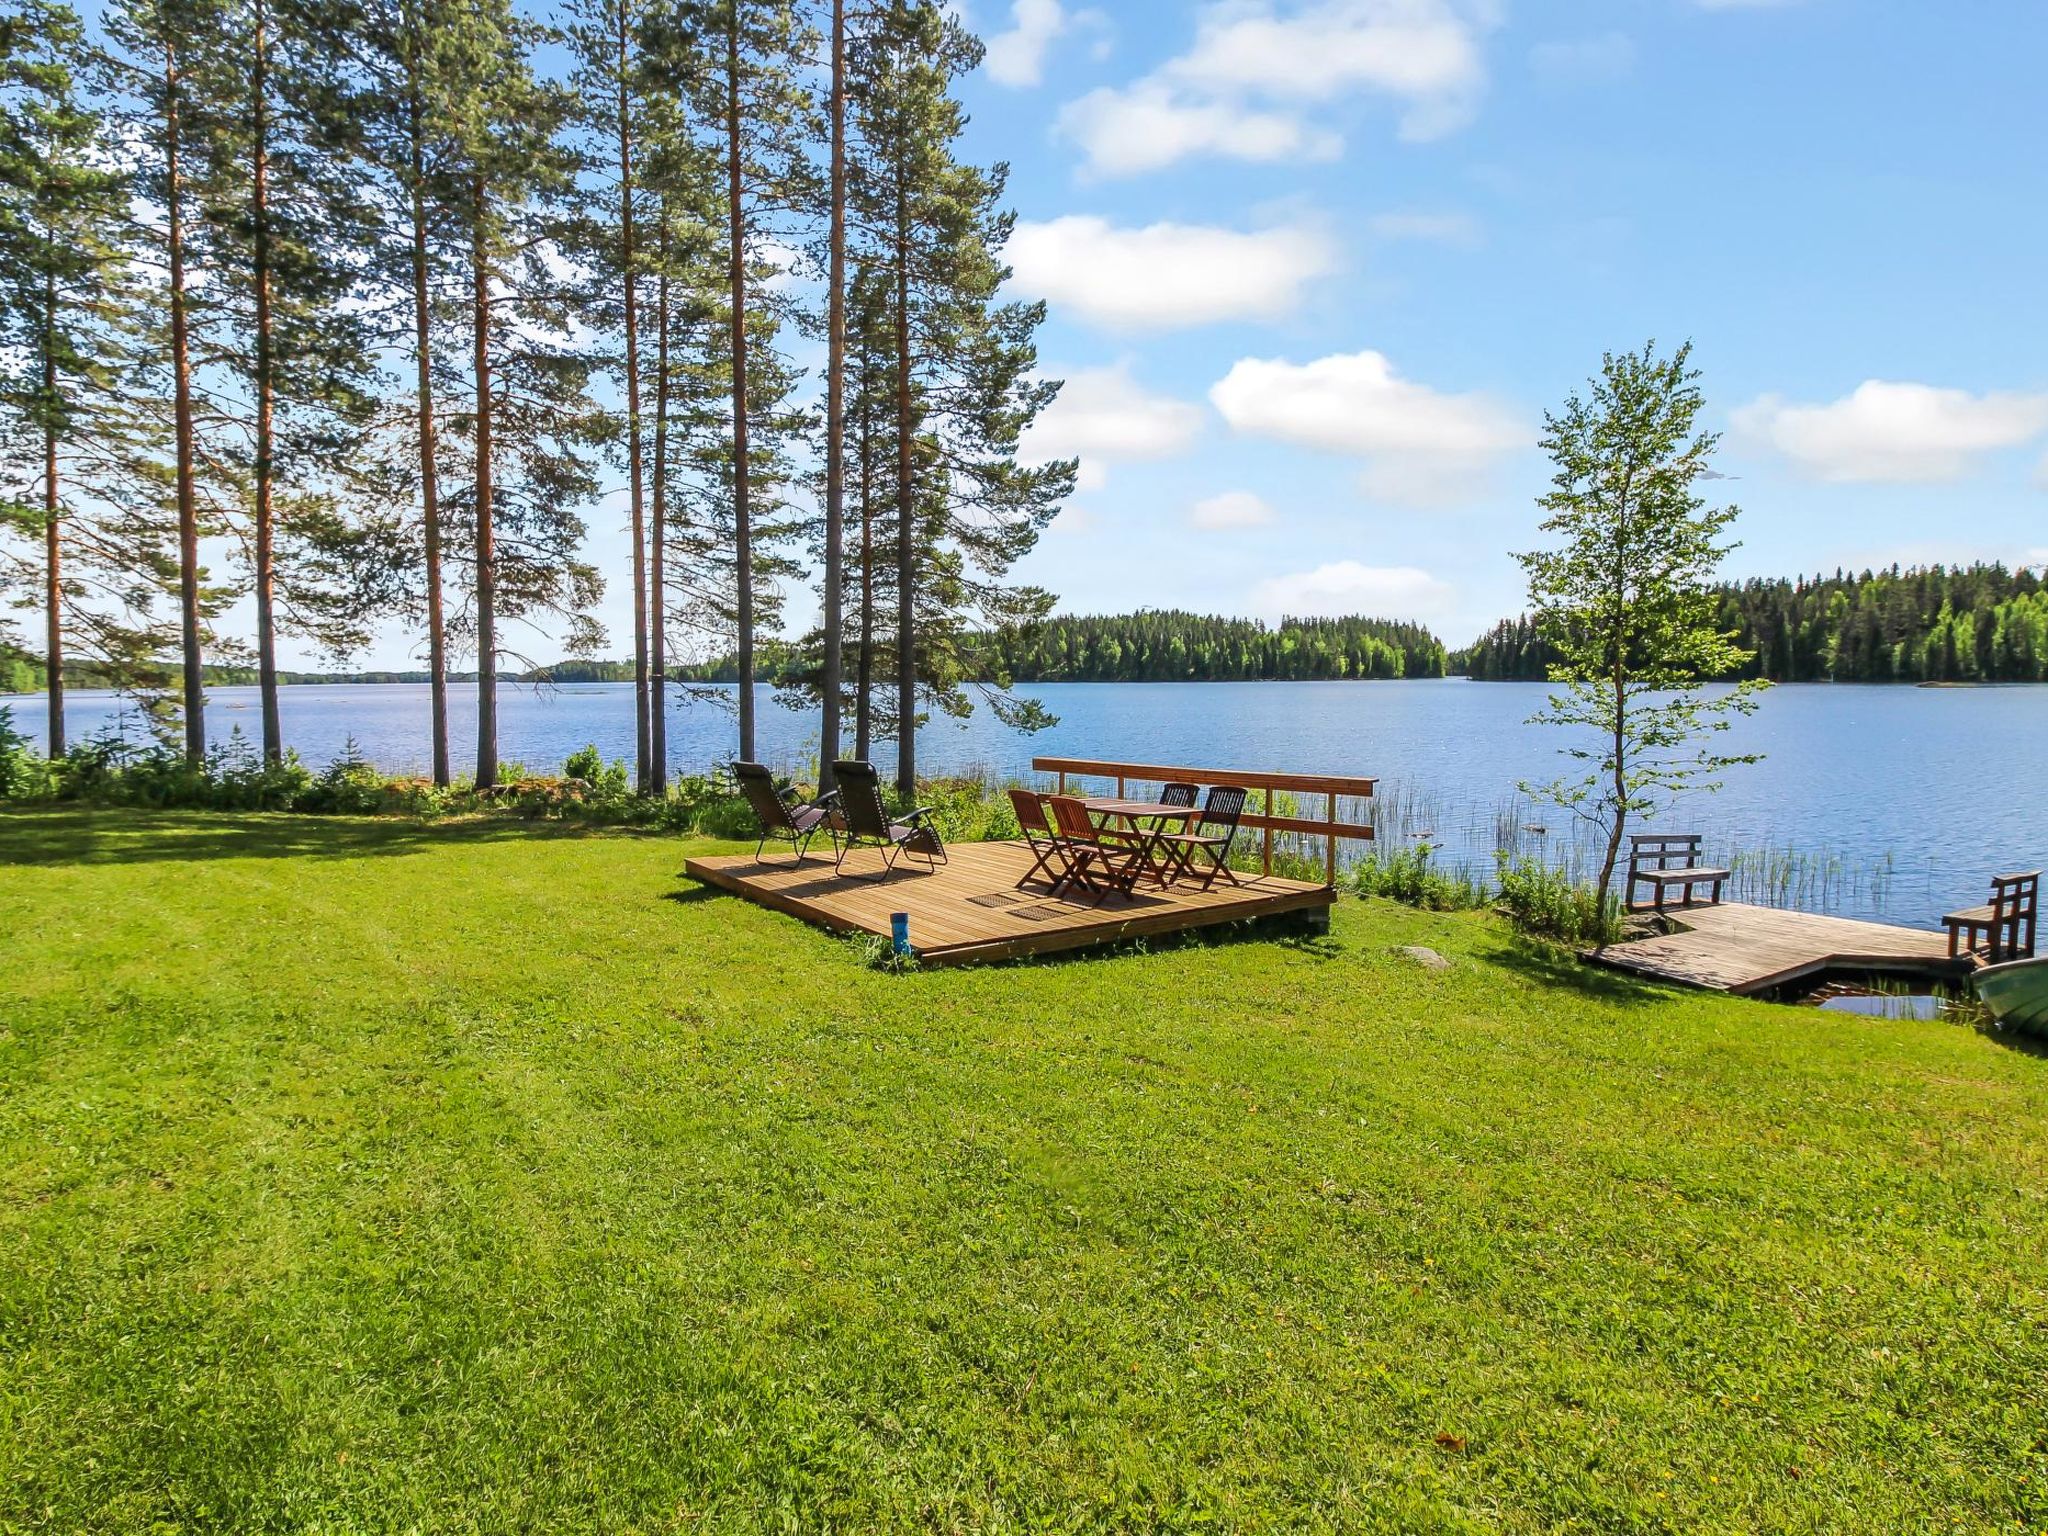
[(1304, 785)]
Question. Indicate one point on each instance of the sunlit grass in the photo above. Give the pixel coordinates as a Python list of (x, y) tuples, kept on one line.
[(364, 1176)]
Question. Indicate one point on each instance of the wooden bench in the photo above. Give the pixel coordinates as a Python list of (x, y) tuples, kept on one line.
[(2003, 928), (1663, 860)]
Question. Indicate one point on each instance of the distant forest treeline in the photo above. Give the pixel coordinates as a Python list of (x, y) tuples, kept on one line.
[(1980, 623), (1170, 646), (1159, 646)]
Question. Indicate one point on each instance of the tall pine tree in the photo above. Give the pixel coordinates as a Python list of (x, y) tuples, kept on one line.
[(965, 509), (531, 423), (77, 485)]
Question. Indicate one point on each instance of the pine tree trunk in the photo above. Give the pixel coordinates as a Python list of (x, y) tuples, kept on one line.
[(430, 493), (906, 530), (266, 390), (743, 533), (864, 681), (657, 596), (486, 550), (181, 413), (53, 538), (643, 774), (835, 414)]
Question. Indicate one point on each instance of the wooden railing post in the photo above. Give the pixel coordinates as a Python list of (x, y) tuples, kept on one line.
[(1267, 818)]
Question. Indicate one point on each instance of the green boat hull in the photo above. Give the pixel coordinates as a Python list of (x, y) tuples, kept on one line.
[(2016, 993)]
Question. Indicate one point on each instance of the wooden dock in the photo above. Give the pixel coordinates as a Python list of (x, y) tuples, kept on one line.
[(970, 909), (1746, 950)]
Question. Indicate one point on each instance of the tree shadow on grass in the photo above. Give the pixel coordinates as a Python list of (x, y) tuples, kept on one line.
[(1553, 967), (87, 837)]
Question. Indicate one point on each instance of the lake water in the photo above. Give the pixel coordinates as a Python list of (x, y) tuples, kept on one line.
[(1893, 802)]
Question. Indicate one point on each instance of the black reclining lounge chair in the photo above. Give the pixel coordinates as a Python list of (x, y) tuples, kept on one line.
[(781, 819), (866, 822)]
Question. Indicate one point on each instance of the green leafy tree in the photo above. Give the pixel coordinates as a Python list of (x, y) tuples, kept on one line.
[(1625, 596)]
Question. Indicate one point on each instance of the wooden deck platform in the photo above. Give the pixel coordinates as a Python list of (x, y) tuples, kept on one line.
[(971, 910), (1745, 950)]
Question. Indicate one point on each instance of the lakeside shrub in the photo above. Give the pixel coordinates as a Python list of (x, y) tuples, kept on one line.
[(1548, 903), (107, 770), (1408, 875), (24, 773)]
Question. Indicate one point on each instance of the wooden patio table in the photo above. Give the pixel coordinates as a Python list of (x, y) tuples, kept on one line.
[(1135, 811)]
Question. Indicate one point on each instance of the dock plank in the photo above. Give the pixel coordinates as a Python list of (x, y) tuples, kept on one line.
[(958, 914), (1746, 949)]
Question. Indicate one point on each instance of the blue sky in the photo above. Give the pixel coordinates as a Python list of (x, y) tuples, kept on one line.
[(1316, 267)]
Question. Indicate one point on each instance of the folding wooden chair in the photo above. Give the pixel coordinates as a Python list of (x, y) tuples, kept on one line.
[(1039, 838), (1213, 834), (1098, 866)]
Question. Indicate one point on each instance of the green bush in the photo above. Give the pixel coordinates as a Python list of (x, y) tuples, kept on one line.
[(348, 786), (24, 774), (1407, 875), (1547, 903)]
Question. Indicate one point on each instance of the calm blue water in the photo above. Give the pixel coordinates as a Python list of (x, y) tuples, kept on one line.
[(1899, 801)]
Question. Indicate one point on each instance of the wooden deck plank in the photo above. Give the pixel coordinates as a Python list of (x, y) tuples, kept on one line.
[(1743, 949), (971, 910)]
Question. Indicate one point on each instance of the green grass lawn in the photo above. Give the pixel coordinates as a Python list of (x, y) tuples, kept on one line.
[(358, 1176)]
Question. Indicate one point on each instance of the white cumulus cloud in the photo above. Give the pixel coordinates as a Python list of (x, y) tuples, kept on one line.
[(1348, 587), (1421, 446), (1420, 51), (1901, 432), (1016, 57), (1165, 275), (1242, 87), (1231, 509), (1104, 416), (1149, 126)]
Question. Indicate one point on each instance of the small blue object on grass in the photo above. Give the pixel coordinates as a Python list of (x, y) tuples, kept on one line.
[(899, 932)]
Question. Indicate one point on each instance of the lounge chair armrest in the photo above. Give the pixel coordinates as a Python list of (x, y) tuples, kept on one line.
[(917, 815), (830, 797)]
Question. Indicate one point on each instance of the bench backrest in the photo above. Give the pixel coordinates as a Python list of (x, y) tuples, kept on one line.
[(1674, 850)]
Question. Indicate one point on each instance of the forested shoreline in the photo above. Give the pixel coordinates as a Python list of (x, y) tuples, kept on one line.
[(1932, 624), (1973, 624), (319, 320)]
